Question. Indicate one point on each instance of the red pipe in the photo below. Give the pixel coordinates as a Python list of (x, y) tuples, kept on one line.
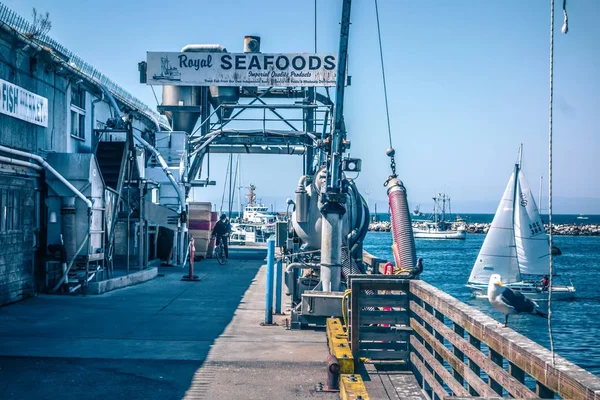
[(405, 254)]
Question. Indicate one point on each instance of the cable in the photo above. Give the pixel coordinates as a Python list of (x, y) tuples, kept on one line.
[(550, 180), (224, 189), (347, 293), (316, 26), (155, 97), (387, 110)]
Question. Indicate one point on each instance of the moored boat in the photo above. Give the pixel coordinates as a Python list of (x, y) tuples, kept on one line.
[(437, 227)]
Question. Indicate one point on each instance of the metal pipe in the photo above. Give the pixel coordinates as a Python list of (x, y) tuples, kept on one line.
[(333, 373), (339, 133), (163, 165), (112, 101), (269, 285), (204, 48), (20, 163), (278, 279), (49, 168), (241, 149), (405, 254), (331, 251)]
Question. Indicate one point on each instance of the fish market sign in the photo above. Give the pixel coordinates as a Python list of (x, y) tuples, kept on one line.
[(241, 69), (22, 104)]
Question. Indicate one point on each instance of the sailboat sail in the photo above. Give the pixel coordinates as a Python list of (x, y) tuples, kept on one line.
[(530, 236), (498, 254)]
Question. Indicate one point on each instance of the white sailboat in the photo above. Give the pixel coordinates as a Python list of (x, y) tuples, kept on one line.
[(516, 246)]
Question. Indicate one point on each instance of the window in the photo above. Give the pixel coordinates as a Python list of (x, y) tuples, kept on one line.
[(78, 97), (78, 112), (10, 210)]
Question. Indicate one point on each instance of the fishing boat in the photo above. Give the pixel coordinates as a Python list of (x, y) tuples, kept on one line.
[(256, 223), (258, 214), (581, 216), (438, 227), (516, 246)]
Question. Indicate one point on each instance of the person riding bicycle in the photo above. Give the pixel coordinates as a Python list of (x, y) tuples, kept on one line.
[(221, 232)]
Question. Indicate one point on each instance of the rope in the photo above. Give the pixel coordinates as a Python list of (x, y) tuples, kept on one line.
[(565, 29), (390, 152), (316, 26), (155, 97), (387, 110)]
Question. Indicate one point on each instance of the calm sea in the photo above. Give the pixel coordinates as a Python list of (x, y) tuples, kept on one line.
[(487, 218), (447, 264)]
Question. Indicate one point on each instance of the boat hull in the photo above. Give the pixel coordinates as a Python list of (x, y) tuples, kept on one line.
[(460, 235), (529, 290)]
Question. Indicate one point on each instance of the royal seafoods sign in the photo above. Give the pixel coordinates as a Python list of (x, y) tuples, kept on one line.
[(22, 104), (241, 69)]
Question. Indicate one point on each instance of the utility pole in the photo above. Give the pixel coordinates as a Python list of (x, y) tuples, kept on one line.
[(332, 194)]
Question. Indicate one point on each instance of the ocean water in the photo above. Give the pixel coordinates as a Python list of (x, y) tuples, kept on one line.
[(576, 324), (557, 219)]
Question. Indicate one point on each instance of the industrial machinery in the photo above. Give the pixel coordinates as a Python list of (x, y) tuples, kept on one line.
[(76, 224)]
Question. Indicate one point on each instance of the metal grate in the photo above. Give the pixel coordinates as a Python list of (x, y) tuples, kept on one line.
[(22, 26)]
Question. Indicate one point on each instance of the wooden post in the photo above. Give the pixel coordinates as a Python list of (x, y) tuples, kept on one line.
[(496, 358), (459, 354), (543, 392), (440, 317), (516, 372), (474, 367), (427, 326)]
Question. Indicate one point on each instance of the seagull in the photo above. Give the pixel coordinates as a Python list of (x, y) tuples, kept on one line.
[(509, 301)]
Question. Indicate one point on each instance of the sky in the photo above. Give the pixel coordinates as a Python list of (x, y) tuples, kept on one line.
[(467, 83)]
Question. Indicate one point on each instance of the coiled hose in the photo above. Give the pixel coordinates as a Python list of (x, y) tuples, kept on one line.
[(405, 254)]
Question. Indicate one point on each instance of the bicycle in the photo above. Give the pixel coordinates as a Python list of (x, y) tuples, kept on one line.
[(220, 252)]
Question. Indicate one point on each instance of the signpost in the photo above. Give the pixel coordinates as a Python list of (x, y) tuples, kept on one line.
[(241, 69)]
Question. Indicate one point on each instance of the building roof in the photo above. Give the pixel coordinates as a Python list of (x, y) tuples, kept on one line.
[(24, 27)]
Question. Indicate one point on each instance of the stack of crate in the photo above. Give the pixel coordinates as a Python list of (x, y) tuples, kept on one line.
[(200, 226)]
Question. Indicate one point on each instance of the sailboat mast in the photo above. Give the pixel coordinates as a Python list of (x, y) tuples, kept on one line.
[(443, 206), (540, 198), (514, 201), (521, 156), (239, 188)]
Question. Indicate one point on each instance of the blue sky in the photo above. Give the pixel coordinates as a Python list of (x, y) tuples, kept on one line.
[(467, 82)]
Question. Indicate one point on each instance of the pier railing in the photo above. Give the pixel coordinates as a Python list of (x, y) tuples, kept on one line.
[(456, 350)]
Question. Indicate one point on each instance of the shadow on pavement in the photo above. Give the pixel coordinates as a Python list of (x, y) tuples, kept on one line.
[(144, 342)]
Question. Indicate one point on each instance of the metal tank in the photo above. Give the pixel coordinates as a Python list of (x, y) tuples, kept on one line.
[(225, 94), (182, 96), (185, 120), (74, 224), (307, 218)]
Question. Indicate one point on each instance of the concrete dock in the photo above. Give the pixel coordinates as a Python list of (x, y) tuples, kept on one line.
[(164, 339)]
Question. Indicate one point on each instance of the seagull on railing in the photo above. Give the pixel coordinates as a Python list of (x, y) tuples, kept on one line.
[(509, 301)]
